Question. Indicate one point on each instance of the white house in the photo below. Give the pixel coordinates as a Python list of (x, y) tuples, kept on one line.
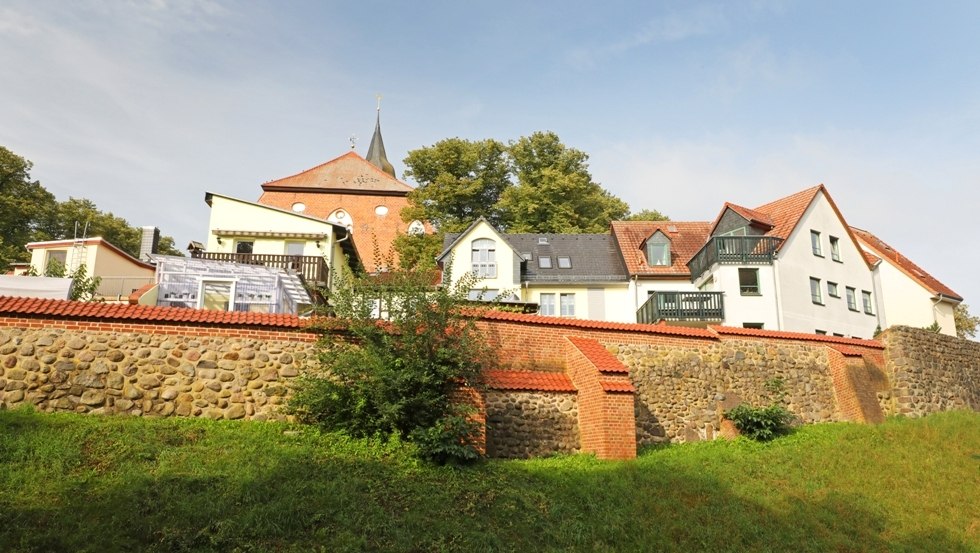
[(566, 275), (120, 272)]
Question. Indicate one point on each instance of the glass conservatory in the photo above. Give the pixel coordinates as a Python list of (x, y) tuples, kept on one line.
[(224, 286)]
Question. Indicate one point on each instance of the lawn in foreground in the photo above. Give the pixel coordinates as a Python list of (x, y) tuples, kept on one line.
[(86, 483)]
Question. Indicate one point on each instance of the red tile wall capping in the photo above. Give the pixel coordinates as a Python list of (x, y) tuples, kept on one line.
[(599, 356), (781, 335), (528, 381), (134, 298)]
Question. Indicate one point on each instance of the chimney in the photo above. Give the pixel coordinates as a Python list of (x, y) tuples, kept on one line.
[(149, 241)]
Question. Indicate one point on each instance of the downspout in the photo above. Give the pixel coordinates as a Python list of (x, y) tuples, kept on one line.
[(939, 299), (776, 286), (330, 267)]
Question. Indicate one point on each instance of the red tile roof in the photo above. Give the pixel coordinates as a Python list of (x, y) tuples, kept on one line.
[(848, 351), (349, 172), (688, 238), (529, 380), (904, 264), (598, 355), (143, 313), (594, 325), (778, 334), (751, 215)]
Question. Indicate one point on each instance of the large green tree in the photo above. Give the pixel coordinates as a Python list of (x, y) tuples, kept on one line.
[(25, 206), (459, 181), (533, 184), (647, 215)]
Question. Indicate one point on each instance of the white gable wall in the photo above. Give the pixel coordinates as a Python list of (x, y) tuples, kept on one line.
[(906, 302), (508, 277), (796, 263)]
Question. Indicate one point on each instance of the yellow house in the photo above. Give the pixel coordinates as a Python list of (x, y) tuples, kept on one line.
[(240, 231), (120, 272), (566, 275)]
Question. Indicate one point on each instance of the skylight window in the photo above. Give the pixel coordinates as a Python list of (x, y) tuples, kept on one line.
[(564, 262), (544, 262)]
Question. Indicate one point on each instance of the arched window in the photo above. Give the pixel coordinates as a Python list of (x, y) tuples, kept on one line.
[(484, 258), (658, 250), (341, 217), (416, 228)]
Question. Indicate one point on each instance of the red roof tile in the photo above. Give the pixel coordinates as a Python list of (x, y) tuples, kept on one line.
[(594, 325), (904, 264), (529, 380), (67, 308), (751, 215), (848, 351), (598, 355), (688, 238), (778, 334)]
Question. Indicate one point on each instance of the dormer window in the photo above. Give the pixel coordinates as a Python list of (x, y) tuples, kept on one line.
[(658, 250)]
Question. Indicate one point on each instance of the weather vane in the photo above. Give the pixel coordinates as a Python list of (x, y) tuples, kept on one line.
[(378, 96), (353, 141)]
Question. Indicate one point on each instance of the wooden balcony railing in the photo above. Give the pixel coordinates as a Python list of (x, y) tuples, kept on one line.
[(312, 268), (734, 250), (682, 306)]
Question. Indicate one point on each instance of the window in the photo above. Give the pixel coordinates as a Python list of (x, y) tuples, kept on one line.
[(416, 228), (564, 262), (816, 294), (748, 282), (482, 294), (832, 289), (216, 294), (851, 299), (295, 248), (837, 334), (56, 261), (835, 249), (244, 246), (567, 304), (484, 258), (544, 262), (658, 250), (815, 243), (757, 326), (820, 332), (546, 304), (866, 299)]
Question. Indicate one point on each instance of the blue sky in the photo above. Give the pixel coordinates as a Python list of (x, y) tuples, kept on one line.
[(142, 106)]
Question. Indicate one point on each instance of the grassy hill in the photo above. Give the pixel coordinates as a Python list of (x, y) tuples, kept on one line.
[(85, 483)]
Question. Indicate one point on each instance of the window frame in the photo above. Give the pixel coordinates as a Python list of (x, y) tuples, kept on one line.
[(567, 262), (835, 292), (240, 243), (561, 304), (815, 244), (835, 249), (544, 262), (851, 294), (816, 291), (483, 257), (745, 290), (867, 303), (552, 297)]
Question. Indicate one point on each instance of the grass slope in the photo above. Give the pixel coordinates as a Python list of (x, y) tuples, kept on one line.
[(85, 483)]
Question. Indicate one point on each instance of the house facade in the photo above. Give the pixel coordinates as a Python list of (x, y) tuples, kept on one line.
[(120, 272), (566, 275)]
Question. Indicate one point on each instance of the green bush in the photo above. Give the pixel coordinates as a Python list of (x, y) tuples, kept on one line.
[(410, 347), (761, 423)]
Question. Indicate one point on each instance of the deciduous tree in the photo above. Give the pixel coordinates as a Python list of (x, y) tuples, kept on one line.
[(966, 324)]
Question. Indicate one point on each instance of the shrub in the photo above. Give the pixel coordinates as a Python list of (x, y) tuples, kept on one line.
[(410, 348), (761, 423)]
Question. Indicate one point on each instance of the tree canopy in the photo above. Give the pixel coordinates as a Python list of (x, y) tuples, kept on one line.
[(966, 324), (533, 184), (30, 213)]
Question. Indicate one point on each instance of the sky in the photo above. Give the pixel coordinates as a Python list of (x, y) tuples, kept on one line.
[(143, 106)]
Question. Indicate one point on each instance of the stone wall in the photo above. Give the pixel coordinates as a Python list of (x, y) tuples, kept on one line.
[(930, 372), (148, 374), (682, 392), (530, 424)]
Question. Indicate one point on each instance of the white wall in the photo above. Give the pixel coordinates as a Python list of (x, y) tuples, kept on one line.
[(234, 215), (905, 302), (741, 309), (508, 261), (616, 306), (796, 263)]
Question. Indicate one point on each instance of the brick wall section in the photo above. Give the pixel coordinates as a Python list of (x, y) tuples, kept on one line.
[(930, 372), (605, 402), (845, 394), (472, 397)]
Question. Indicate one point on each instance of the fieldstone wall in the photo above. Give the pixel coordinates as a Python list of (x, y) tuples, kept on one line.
[(930, 372), (145, 374), (531, 424), (682, 392)]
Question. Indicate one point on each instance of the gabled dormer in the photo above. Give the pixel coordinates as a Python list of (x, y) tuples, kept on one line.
[(657, 249), (735, 220)]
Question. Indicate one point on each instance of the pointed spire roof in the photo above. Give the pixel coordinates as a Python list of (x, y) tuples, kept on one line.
[(376, 151)]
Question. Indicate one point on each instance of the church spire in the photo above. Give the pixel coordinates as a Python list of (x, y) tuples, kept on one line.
[(376, 151)]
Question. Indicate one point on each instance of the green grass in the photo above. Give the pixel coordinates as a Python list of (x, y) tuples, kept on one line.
[(85, 483)]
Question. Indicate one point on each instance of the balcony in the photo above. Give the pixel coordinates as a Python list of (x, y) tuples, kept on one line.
[(312, 268), (682, 306), (734, 250)]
